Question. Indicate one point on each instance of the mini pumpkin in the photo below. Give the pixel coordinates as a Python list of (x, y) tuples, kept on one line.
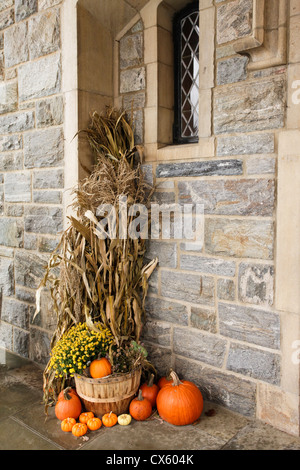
[(100, 368), (150, 390), (140, 408), (94, 423), (79, 429), (84, 417), (109, 419), (69, 406), (124, 419), (179, 402), (67, 424)]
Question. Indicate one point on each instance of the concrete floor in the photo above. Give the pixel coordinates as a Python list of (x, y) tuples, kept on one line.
[(24, 426)]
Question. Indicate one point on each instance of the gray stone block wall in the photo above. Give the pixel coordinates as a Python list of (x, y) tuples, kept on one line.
[(210, 311), (213, 309), (229, 333), (31, 165)]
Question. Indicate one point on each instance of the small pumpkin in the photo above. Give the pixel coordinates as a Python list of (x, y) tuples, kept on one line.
[(150, 390), (140, 408), (179, 402), (124, 419), (70, 390), (69, 406), (67, 424), (84, 417), (100, 368), (94, 423), (109, 419), (165, 380), (79, 429)]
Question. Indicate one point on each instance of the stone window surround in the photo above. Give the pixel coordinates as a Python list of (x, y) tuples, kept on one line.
[(157, 19), (265, 46)]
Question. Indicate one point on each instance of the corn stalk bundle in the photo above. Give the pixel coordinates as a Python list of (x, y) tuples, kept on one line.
[(94, 279)]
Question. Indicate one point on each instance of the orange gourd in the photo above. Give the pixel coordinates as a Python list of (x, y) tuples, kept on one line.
[(179, 402), (94, 423), (150, 390), (100, 368), (140, 408), (84, 417), (69, 406), (67, 424), (109, 419), (79, 429)]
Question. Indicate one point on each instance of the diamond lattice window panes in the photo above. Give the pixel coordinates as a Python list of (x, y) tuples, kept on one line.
[(186, 43)]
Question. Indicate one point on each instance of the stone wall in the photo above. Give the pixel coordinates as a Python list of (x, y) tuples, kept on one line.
[(133, 78), (31, 166), (210, 308)]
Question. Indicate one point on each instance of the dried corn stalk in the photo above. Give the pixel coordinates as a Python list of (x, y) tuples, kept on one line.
[(101, 280)]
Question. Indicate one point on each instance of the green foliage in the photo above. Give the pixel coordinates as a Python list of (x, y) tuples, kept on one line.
[(129, 356)]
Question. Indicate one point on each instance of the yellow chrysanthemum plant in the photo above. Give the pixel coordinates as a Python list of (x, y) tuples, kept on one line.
[(77, 348)]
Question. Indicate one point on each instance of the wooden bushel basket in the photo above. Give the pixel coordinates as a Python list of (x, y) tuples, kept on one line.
[(111, 393)]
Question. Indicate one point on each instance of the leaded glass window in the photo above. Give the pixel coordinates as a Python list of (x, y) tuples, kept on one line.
[(186, 43)]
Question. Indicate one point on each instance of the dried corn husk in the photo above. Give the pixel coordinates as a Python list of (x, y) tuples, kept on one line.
[(93, 279)]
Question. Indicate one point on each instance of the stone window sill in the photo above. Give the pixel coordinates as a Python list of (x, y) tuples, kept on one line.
[(203, 149)]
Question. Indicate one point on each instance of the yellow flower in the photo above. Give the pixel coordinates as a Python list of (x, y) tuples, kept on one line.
[(78, 346)]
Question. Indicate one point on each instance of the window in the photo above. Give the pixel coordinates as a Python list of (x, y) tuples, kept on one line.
[(186, 69)]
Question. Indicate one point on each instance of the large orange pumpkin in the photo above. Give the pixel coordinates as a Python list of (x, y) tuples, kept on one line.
[(69, 406), (150, 390), (179, 402), (100, 368)]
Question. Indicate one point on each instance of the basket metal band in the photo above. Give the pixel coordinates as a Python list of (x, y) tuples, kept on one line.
[(108, 400)]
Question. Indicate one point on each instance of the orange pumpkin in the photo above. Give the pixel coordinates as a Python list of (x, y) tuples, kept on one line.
[(109, 419), (84, 417), (165, 380), (140, 408), (79, 429), (150, 390), (94, 423), (100, 368), (70, 390), (179, 403), (67, 424), (69, 406)]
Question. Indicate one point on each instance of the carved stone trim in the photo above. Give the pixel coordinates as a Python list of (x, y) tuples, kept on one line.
[(272, 50), (256, 39)]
